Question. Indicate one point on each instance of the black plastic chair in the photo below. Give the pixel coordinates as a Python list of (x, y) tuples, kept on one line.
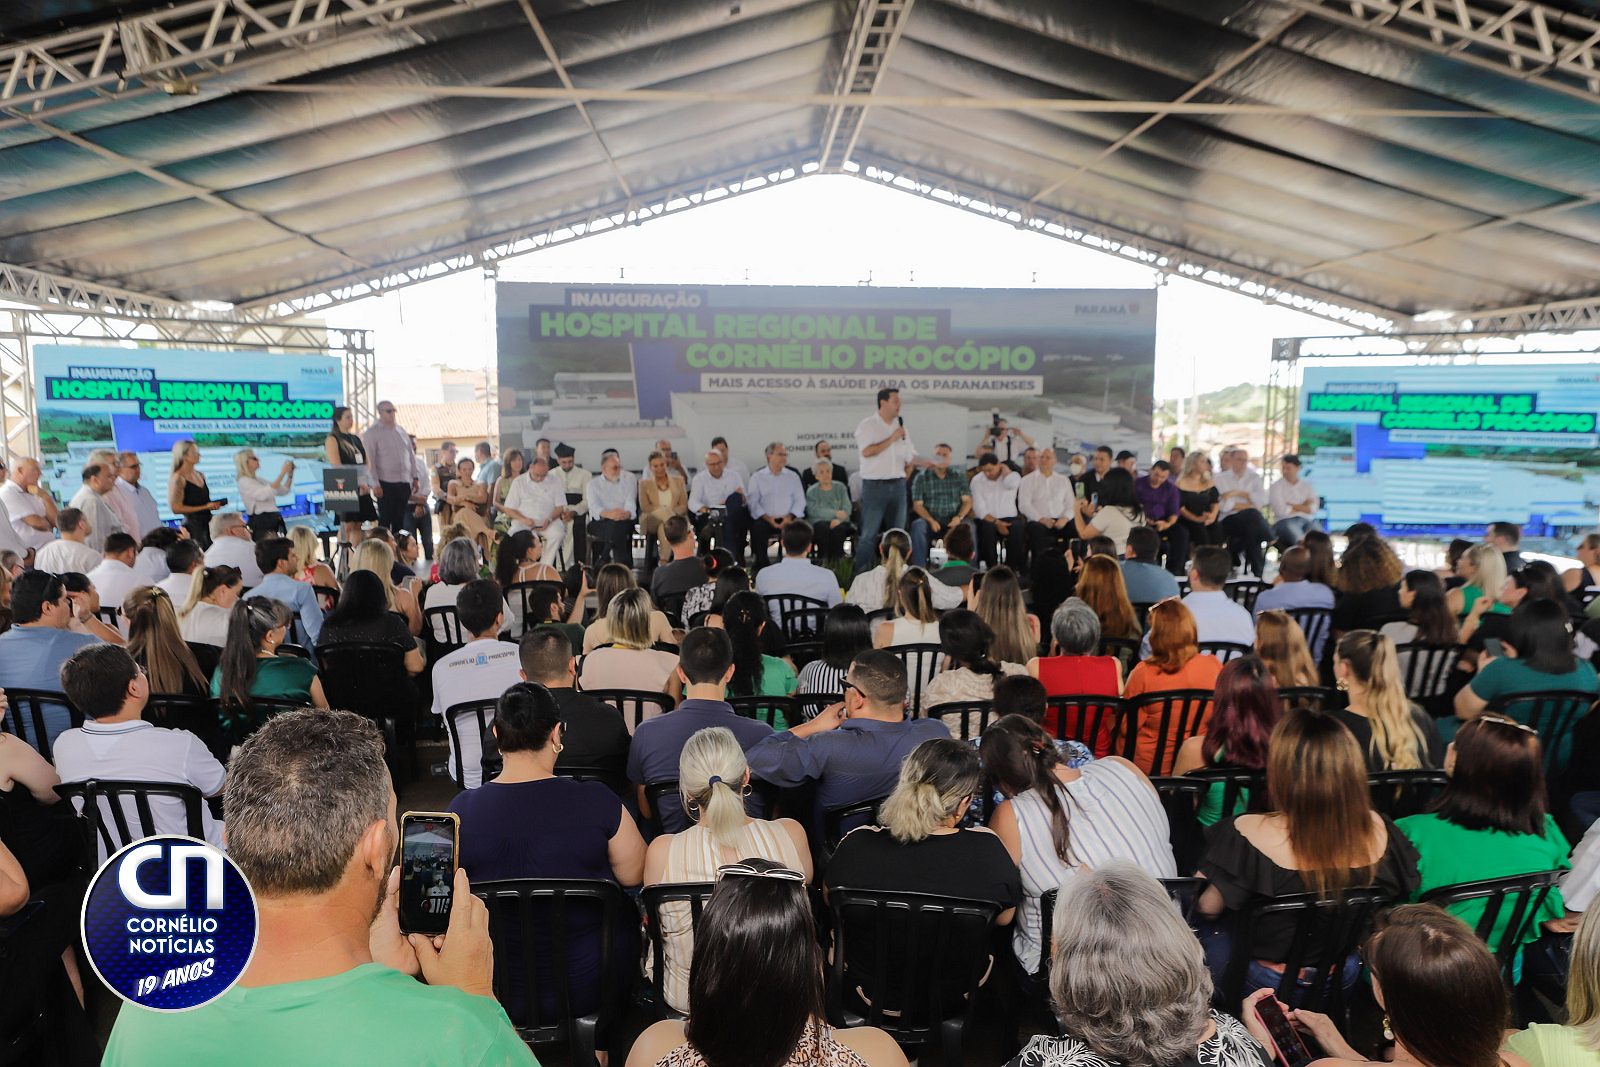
[(1553, 713), (104, 803), (1177, 714), (838, 821), (1401, 793), (1224, 650), (1185, 893), (633, 703), (1237, 784), (1125, 649), (442, 633), (653, 792), (293, 648), (973, 717), (778, 712), (27, 706), (1244, 592), (184, 711), (108, 614), (238, 724), (1327, 932), (1317, 626), (540, 909), (1425, 671), (1092, 719), (921, 664), (811, 704), (327, 596), (1517, 900), (799, 617), (482, 712), (694, 896), (370, 679), (1180, 798), (918, 958), (804, 652), (1316, 697), (521, 594)]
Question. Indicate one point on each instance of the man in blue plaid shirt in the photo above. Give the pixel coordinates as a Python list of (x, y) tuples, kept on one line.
[(940, 498)]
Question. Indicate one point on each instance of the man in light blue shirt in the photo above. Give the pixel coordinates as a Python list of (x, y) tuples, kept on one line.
[(613, 507), (279, 562), (33, 650), (1216, 617), (774, 495), (797, 574), (1292, 591)]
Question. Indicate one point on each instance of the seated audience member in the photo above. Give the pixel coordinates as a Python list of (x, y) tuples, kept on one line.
[(1216, 617), (213, 591), (878, 588), (594, 736), (311, 823), (547, 610), (1292, 588), (775, 497), (852, 750), (1482, 573), (970, 669), (1584, 579), (115, 743), (157, 646), (795, 573), (1505, 538), (1429, 620), (251, 666), (1322, 836), (994, 504), (713, 780), (1539, 658), (697, 601), (1018, 694), (1443, 998), (1242, 496), (1572, 1044), (1045, 500), (1100, 586), (749, 1006), (232, 546), (744, 618), (521, 559), (1366, 585), (915, 622), (1281, 644), (845, 635), (1393, 733), (275, 556), (588, 835), (1199, 502), (114, 577), (85, 601), (1151, 1005), (183, 559), (609, 580), (458, 565), (363, 615), (481, 669), (1147, 582), (1243, 713), (999, 603), (1322, 568), (1075, 668), (1490, 821), (1294, 502), (1175, 662), (941, 503), (1537, 580), (960, 548), (684, 570), (629, 662), (1160, 502), (1058, 820), (828, 512), (1115, 514), (69, 552), (38, 643), (705, 667), (306, 549), (378, 557), (151, 563)]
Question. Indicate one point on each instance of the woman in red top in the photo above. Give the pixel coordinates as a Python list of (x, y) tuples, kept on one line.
[(1174, 662), (1073, 669)]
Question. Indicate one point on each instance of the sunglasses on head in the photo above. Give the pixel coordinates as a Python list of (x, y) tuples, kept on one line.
[(745, 870)]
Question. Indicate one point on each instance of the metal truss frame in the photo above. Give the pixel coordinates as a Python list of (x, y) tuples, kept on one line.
[(875, 30), (22, 328), (1533, 42), (174, 49)]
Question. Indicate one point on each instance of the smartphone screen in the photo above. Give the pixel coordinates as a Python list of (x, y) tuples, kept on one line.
[(427, 870), (1077, 547), (1291, 1048), (1077, 490)]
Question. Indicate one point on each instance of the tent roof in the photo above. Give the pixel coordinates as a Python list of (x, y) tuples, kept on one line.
[(1363, 165)]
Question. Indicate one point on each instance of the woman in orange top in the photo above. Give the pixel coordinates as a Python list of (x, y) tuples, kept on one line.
[(1175, 662)]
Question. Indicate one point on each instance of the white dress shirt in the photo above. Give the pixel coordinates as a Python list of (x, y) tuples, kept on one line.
[(231, 551), (19, 505), (207, 624), (121, 505), (708, 492), (1040, 498), (256, 495), (176, 586), (1248, 482), (800, 576), (389, 453), (995, 499), (1283, 496), (607, 495), (738, 470), (9, 541), (891, 462), (151, 565), (776, 495), (114, 580), (66, 557), (146, 513), (537, 500), (102, 520)]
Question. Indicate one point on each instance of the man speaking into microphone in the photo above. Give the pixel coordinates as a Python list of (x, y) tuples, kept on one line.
[(887, 455)]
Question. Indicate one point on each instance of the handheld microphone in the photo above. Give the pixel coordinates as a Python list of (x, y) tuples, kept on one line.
[(901, 419)]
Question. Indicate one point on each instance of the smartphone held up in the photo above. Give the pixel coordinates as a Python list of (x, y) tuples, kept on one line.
[(429, 843)]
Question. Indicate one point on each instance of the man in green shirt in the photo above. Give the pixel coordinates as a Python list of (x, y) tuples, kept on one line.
[(311, 824), (940, 498)]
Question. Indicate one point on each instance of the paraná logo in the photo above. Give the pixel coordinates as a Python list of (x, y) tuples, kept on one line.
[(169, 923)]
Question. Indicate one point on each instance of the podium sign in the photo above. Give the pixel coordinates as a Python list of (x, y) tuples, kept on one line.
[(339, 488)]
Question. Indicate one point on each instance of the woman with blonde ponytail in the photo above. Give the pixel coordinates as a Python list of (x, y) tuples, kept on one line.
[(1394, 733), (880, 587), (714, 782)]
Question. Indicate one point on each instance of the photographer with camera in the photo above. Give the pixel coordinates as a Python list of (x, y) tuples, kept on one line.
[(1005, 441)]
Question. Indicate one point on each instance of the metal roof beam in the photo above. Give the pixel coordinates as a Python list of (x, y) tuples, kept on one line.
[(875, 29), (26, 285), (1557, 316), (1532, 42)]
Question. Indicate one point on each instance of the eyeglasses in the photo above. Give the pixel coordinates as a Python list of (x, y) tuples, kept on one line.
[(1514, 724), (745, 870)]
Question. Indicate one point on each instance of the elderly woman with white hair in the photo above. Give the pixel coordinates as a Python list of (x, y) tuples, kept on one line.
[(1075, 666), (1133, 986)]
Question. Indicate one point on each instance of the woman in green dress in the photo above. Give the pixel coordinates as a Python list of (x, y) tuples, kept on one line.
[(251, 667), (754, 672)]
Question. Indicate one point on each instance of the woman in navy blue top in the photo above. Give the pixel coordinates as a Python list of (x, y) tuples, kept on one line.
[(528, 823)]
